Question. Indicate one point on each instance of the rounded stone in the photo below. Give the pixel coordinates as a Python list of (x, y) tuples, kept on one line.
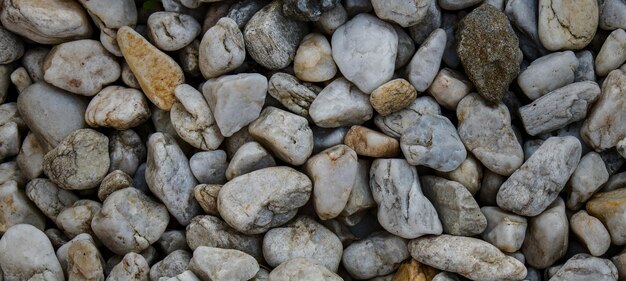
[(16, 208), (392, 96), (117, 107), (307, 269), (567, 24), (11, 46), (377, 255), (368, 142), (222, 49), (313, 61), (27, 254), (209, 167), (404, 13), (193, 119), (222, 264), (171, 31)]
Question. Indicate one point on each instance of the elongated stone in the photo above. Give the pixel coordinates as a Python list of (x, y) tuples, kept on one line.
[(548, 73), (424, 65), (340, 103), (590, 174), (193, 119), (371, 143), (590, 232)]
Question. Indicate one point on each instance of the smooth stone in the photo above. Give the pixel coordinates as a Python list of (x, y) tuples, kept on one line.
[(457, 209), (211, 231), (113, 14), (249, 157), (504, 230), (27, 254), (612, 54), (590, 232), (489, 52), (609, 207), (16, 208), (489, 187), (392, 96), (222, 264), (206, 195), (395, 124), (402, 208), (585, 267), (546, 236), (307, 10), (432, 141), (171, 265), (404, 13), (603, 127), (523, 14), (616, 181), (76, 219), (235, 100), (117, 107), (431, 21), (487, 133), (469, 174), (367, 142), (126, 150), (339, 104), (172, 240), (457, 4), (242, 11), (133, 267), (10, 140), (548, 73), (375, 63), (291, 93), (170, 179), (171, 31), (286, 134), (446, 276), (222, 49), (562, 25), (278, 193), (313, 61), (114, 181), (157, 73), (11, 46), (108, 39), (193, 119), (48, 197), (324, 138), (424, 65), (272, 38), (209, 167), (377, 255), (612, 15), (302, 268), (33, 60), (449, 87), (332, 19), (333, 173), (21, 79), (46, 22), (84, 261), (469, 257), (588, 177)]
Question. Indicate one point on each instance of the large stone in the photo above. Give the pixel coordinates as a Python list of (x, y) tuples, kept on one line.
[(547, 236), (377, 255), (567, 24), (117, 107), (548, 73), (585, 267), (27, 254)]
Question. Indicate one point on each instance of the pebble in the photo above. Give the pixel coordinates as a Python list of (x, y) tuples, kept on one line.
[(76, 219), (172, 240), (117, 107), (10, 172), (302, 268), (404, 13), (209, 167), (612, 54), (133, 267), (375, 63), (235, 100), (302, 238), (612, 14), (157, 73), (20, 79), (185, 276), (286, 134), (618, 261), (430, 22), (411, 270), (469, 257), (169, 177), (128, 77), (489, 52), (61, 22), (340, 103), (457, 209), (222, 49), (563, 26), (332, 19), (80, 161), (222, 264), (291, 93), (585, 70), (16, 208), (112, 15), (249, 211), (487, 133), (424, 65), (126, 151), (393, 96), (11, 46), (393, 181), (249, 157), (590, 232), (396, 123), (206, 195), (27, 254), (272, 38), (368, 142), (193, 120), (84, 261), (171, 31), (361, 196), (242, 11), (33, 60), (307, 10), (10, 140), (333, 172), (324, 138), (588, 177), (432, 141), (621, 147), (171, 265), (114, 181), (406, 47), (586, 267), (377, 255), (48, 197), (603, 129), (313, 61), (548, 73), (188, 57), (469, 174), (449, 87), (5, 80), (457, 4), (608, 207), (211, 231), (504, 230), (546, 236)]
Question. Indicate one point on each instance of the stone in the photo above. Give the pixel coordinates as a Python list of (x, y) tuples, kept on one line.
[(313, 61), (424, 65), (11, 46), (302, 238), (291, 93), (171, 31), (430, 22), (278, 193), (332, 19), (5, 81), (76, 219), (546, 237), (50, 113), (117, 107), (404, 13), (27, 254), (548, 73), (57, 238), (307, 10), (9, 171), (33, 60), (222, 264), (84, 261), (307, 269), (457, 4), (590, 232), (16, 208), (82, 67), (20, 79), (469, 257), (209, 167), (126, 150), (193, 120), (30, 156), (361, 196), (157, 73), (242, 11), (114, 181), (375, 63), (48, 197), (128, 77), (618, 261), (235, 100), (173, 264), (132, 267), (377, 255), (393, 181), (621, 148), (504, 230), (132, 228), (469, 174), (395, 124), (286, 134), (222, 49), (585, 70), (392, 96), (612, 15), (249, 158), (169, 177), (340, 103), (189, 58), (432, 141), (406, 47), (489, 52), (112, 15), (324, 138), (10, 140), (411, 270), (612, 54), (489, 188), (608, 207), (80, 161), (588, 177), (535, 185), (211, 231), (457, 209), (586, 267), (486, 132), (563, 26), (449, 87), (272, 38), (206, 195), (367, 142), (185, 276), (46, 22), (172, 240)]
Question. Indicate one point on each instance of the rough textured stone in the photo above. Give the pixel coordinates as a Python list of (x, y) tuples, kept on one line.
[(585, 267), (173, 264), (84, 261), (206, 195), (449, 87), (340, 103), (48, 197), (397, 123), (547, 236), (76, 219), (411, 270), (393, 96), (562, 25), (11, 46), (171, 31), (307, 10), (114, 181), (292, 94), (248, 158), (193, 119), (222, 49), (313, 61), (26, 254), (377, 255), (211, 231), (222, 264), (126, 151), (117, 107), (133, 267)]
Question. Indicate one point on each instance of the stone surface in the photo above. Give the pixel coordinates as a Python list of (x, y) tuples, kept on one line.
[(313, 61), (26, 254), (612, 54), (469, 174), (424, 65), (117, 107), (603, 129), (222, 49), (114, 181), (332, 19), (307, 10), (48, 197), (340, 103), (211, 231), (586, 267), (76, 219), (171, 265), (209, 167), (406, 47), (171, 31), (590, 232), (84, 261), (547, 236), (397, 123), (504, 230), (431, 21), (21, 79), (172, 240), (392, 96), (112, 15), (248, 158), (11, 46), (193, 120), (222, 264), (291, 93), (588, 177), (16, 208), (609, 208), (308, 269), (562, 25), (612, 14), (132, 267), (377, 255), (411, 270), (404, 13), (548, 73), (449, 87), (368, 142), (206, 195), (126, 151)]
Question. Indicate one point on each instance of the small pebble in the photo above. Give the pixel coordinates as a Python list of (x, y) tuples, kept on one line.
[(424, 65), (172, 31), (114, 181), (340, 103), (211, 231), (504, 230), (206, 195), (222, 49), (392, 96), (193, 120), (222, 264), (546, 236), (209, 167), (590, 232), (249, 157), (377, 255), (313, 61)]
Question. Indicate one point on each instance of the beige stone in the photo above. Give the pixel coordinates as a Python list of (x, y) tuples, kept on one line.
[(393, 96), (368, 142), (567, 24)]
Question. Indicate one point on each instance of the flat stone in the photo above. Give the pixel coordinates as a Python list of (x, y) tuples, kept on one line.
[(393, 181), (548, 73), (588, 177), (404, 13), (307, 269), (563, 26), (612, 54), (368, 142), (392, 96), (126, 150), (132, 267), (26, 254), (117, 107), (48, 197), (395, 124), (173, 264), (424, 65), (504, 230), (546, 236), (313, 61), (376, 60), (585, 267), (222, 264), (222, 49), (377, 255), (193, 119), (590, 232), (16, 208), (171, 31), (609, 207), (11, 45), (449, 87), (249, 158), (340, 103), (612, 15), (469, 257), (206, 195), (211, 231), (209, 167)]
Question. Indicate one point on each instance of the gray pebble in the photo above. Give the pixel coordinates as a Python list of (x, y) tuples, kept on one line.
[(133, 267), (114, 181), (612, 14), (126, 151), (406, 47), (589, 176), (548, 73), (26, 254), (404, 13), (173, 264), (209, 167), (457, 4), (222, 49), (211, 231), (340, 103), (222, 264), (547, 236), (430, 22), (302, 268), (395, 124), (76, 219), (504, 230), (242, 11), (424, 65), (361, 196), (291, 93), (324, 138), (33, 61), (16, 208), (188, 58), (307, 10), (377, 255), (585, 70), (11, 46), (248, 158), (172, 240), (332, 19), (193, 119), (171, 31)]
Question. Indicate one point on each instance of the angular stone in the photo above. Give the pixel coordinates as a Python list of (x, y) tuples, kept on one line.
[(548, 73), (547, 236), (249, 158), (371, 143), (395, 124), (392, 96), (302, 268), (26, 254), (222, 49), (222, 264), (340, 103), (562, 25), (313, 61), (424, 65), (588, 177), (171, 31), (590, 232), (209, 167), (603, 129), (206, 195), (48, 197), (193, 120), (292, 94), (117, 107), (377, 255), (211, 231), (504, 230), (585, 267)]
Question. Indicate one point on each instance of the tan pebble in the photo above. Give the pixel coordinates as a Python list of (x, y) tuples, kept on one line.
[(392, 96), (368, 142)]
